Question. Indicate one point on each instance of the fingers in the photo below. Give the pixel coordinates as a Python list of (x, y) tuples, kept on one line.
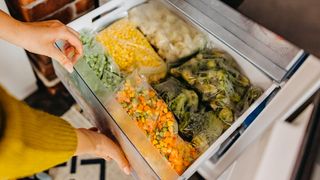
[(126, 169), (75, 42), (56, 54), (72, 50), (109, 149), (116, 154), (72, 38), (121, 160), (71, 53)]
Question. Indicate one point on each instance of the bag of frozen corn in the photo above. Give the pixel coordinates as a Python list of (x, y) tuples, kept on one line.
[(152, 116), (131, 50)]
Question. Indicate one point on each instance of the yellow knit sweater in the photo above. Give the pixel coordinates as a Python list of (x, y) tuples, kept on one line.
[(31, 141)]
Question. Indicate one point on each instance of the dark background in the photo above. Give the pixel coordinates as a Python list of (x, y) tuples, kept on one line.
[(298, 21)]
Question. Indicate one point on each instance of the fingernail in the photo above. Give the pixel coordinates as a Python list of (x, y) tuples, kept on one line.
[(69, 67), (127, 170), (93, 129)]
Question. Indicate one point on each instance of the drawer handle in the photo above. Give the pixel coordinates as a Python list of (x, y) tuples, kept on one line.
[(103, 14)]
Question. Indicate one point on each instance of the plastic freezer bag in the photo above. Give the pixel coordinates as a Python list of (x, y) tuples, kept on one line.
[(197, 124), (104, 68), (173, 38), (153, 117), (215, 75), (131, 50)]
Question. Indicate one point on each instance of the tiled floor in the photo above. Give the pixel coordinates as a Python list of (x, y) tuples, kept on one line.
[(56, 105)]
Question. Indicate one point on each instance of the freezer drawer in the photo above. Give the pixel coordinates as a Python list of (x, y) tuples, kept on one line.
[(107, 114)]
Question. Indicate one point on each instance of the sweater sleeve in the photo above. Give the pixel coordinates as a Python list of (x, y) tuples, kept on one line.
[(32, 140)]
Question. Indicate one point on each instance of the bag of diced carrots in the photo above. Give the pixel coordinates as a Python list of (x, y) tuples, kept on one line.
[(153, 117)]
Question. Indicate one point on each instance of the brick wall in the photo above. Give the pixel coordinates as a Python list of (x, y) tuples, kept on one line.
[(38, 10)]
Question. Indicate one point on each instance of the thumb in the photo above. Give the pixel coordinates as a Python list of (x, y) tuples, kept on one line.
[(62, 59)]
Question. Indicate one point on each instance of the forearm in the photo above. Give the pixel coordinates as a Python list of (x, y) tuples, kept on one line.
[(9, 28)]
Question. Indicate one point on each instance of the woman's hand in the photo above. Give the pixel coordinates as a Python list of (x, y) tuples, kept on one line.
[(40, 38), (94, 143)]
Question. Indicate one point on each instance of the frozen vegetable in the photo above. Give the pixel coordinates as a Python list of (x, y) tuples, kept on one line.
[(178, 97), (169, 89), (205, 128), (215, 76), (196, 123), (186, 101), (131, 50), (252, 94), (155, 119), (170, 35), (97, 60)]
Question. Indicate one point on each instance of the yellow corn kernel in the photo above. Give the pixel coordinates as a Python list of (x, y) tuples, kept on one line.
[(155, 142), (128, 47)]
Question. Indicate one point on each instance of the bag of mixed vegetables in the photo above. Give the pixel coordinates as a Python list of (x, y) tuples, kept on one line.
[(153, 117)]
